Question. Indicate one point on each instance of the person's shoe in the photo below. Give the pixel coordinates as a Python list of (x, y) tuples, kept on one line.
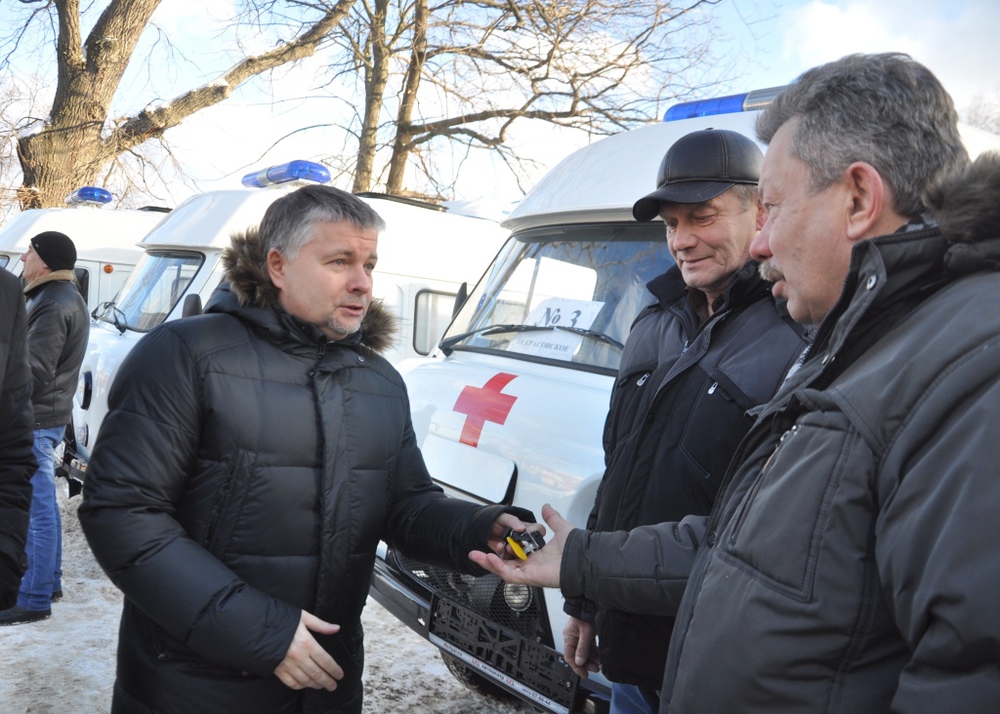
[(56, 595), (18, 615)]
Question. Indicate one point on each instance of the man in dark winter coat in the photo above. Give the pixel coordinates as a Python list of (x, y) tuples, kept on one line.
[(57, 339), (250, 462), (850, 565), (17, 462), (711, 348)]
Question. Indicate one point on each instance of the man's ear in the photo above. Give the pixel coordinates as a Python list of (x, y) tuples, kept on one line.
[(866, 192), (276, 263)]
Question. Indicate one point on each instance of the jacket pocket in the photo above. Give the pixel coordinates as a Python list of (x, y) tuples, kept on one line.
[(230, 501), (819, 473), (715, 426)]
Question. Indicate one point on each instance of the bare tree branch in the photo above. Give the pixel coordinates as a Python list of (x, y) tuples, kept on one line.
[(469, 70), (78, 140)]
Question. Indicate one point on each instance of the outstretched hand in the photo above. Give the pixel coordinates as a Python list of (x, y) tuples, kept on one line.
[(542, 566)]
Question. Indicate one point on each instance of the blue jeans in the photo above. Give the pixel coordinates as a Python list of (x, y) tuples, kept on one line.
[(44, 545), (632, 699)]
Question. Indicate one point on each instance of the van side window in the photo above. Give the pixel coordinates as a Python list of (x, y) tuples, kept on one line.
[(83, 282), (432, 314)]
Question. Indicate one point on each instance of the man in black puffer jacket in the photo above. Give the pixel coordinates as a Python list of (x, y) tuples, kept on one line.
[(57, 339), (251, 460), (17, 463)]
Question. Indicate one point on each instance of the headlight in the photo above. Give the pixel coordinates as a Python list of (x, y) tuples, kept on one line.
[(518, 597)]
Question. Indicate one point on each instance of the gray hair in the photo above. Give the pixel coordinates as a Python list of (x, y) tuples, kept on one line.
[(746, 193), (886, 110), (289, 222)]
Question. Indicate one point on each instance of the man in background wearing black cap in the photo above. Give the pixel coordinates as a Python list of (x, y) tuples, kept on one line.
[(57, 340), (711, 347)]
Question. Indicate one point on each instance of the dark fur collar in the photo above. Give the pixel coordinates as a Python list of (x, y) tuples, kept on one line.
[(967, 208)]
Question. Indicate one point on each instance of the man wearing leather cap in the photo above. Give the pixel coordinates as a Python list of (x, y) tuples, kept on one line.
[(57, 340), (712, 346)]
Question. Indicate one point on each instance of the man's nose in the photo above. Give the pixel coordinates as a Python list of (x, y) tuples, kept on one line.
[(683, 237), (361, 281)]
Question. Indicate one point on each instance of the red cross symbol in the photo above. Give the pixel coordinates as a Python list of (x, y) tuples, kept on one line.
[(483, 404)]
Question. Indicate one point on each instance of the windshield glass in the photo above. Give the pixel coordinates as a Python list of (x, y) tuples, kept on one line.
[(565, 294), (153, 289), (4, 259)]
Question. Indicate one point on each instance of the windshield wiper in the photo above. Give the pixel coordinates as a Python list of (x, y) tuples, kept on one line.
[(594, 334), (448, 344)]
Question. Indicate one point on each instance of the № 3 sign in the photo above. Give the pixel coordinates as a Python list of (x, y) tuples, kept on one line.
[(554, 313)]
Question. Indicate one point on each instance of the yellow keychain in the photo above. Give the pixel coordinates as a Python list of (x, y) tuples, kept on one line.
[(523, 543)]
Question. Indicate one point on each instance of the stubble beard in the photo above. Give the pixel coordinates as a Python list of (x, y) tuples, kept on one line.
[(345, 328)]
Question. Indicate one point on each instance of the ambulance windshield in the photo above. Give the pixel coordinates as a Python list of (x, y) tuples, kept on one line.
[(567, 294), (158, 282)]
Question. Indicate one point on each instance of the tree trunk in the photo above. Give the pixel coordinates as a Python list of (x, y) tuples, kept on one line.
[(402, 145), (376, 79), (69, 152), (75, 144)]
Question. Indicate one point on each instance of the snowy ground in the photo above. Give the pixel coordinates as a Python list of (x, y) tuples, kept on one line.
[(66, 664)]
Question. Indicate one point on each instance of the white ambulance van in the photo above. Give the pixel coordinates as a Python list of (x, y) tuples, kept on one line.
[(106, 240), (426, 257), (511, 407)]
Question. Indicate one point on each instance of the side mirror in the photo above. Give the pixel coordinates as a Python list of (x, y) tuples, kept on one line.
[(460, 298), (192, 305)]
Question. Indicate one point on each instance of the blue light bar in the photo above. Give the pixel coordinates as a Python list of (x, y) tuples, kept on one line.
[(89, 195), (705, 107), (748, 101), (292, 171)]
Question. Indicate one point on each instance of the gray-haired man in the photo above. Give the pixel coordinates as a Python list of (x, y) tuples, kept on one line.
[(851, 564)]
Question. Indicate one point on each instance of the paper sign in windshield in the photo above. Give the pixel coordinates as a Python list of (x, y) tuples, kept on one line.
[(556, 312)]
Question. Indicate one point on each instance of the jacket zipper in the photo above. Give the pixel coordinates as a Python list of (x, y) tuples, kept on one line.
[(751, 493)]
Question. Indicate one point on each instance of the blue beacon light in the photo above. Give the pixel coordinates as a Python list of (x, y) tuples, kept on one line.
[(748, 101), (297, 170), (89, 196)]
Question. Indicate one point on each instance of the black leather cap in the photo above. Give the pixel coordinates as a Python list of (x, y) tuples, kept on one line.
[(700, 166)]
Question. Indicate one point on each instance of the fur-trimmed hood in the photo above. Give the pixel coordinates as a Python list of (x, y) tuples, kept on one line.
[(967, 208), (251, 286)]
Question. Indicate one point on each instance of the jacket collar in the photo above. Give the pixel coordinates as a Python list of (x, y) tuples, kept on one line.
[(891, 274), (745, 285), (54, 276)]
